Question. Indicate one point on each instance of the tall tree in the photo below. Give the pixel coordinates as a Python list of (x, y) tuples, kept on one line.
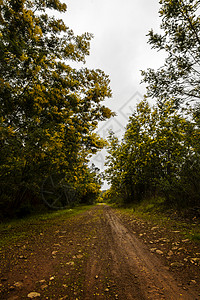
[(48, 110)]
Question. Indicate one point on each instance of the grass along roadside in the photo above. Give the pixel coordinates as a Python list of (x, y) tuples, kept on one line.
[(17, 229), (155, 211)]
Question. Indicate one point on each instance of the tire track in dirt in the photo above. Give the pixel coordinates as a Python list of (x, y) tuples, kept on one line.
[(136, 272), (116, 279)]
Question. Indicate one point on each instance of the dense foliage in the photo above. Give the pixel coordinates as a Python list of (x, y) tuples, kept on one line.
[(180, 40), (160, 151), (48, 110), (158, 155)]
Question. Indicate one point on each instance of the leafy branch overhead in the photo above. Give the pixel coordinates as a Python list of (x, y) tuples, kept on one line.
[(179, 77)]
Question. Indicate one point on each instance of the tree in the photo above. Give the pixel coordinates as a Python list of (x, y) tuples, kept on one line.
[(48, 110), (157, 156), (179, 77)]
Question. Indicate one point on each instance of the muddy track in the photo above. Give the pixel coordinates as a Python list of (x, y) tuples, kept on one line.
[(139, 274), (91, 256)]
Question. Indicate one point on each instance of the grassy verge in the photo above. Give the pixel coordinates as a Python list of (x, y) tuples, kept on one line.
[(24, 228), (155, 211)]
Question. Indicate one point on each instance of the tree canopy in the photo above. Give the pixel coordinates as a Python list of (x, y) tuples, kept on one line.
[(179, 77), (48, 110), (158, 155)]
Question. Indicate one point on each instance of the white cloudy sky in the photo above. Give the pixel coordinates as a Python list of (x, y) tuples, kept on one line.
[(119, 48), (120, 44)]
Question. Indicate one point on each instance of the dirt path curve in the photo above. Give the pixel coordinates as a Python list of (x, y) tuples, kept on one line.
[(91, 256), (137, 273)]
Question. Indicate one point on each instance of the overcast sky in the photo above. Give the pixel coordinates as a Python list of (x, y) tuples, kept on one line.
[(119, 48)]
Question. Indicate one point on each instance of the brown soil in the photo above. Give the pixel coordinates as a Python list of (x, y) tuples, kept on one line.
[(100, 254)]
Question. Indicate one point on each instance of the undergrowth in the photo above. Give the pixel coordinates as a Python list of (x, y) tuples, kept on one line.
[(14, 230), (156, 211)]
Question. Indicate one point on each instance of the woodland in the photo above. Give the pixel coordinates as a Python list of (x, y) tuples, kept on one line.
[(49, 113)]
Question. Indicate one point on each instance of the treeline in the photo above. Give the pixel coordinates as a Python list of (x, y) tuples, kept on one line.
[(159, 154), (48, 110)]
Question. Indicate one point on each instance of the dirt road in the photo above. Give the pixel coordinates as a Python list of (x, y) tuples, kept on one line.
[(95, 255)]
